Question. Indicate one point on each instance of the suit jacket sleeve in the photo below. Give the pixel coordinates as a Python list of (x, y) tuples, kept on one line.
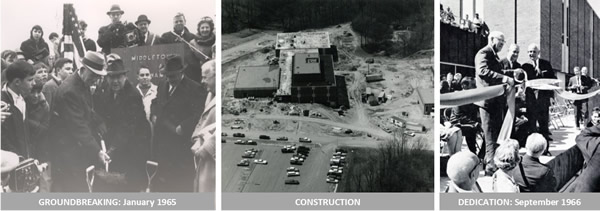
[(549, 182), (482, 60), (571, 81), (198, 97), (104, 36), (74, 110)]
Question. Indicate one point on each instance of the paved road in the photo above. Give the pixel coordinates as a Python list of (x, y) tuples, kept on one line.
[(372, 131)]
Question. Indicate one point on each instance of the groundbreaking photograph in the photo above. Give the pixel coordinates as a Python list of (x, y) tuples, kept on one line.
[(101, 96), (518, 96), (327, 96)]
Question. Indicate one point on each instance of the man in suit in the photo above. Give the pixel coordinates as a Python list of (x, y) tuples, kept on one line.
[(181, 34), (148, 37), (580, 84), (463, 170), (588, 141), (112, 35), (15, 138), (510, 61), (489, 72), (584, 73), (121, 108), (75, 127), (532, 175), (175, 111), (204, 135), (538, 101)]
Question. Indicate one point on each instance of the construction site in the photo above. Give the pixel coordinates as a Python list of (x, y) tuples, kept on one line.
[(279, 89)]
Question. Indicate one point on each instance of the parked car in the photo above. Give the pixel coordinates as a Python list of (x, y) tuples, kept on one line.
[(292, 182), (282, 138), (332, 180), (305, 140), (244, 162), (261, 161), (249, 154), (250, 142), (293, 173), (224, 134), (291, 168), (240, 135), (287, 150), (264, 137), (234, 127), (241, 142)]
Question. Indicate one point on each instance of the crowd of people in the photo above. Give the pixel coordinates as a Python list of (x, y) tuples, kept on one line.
[(71, 116), (500, 158), (475, 25)]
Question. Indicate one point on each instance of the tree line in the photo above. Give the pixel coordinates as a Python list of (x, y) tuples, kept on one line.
[(374, 20), (400, 165)]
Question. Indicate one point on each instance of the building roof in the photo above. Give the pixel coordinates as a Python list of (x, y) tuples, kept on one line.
[(306, 63), (286, 60), (426, 95), (302, 40), (257, 77)]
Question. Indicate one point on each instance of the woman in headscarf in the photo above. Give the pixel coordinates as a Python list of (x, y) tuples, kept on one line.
[(35, 48)]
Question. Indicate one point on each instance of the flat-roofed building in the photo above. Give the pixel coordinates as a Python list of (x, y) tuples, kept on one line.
[(256, 81)]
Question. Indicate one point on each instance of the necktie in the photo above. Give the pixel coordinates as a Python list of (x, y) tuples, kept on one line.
[(171, 89), (20, 104)]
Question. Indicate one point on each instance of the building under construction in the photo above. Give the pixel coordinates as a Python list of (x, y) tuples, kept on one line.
[(304, 72)]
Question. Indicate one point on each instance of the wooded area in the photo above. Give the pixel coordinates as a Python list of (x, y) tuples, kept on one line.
[(392, 167), (374, 20)]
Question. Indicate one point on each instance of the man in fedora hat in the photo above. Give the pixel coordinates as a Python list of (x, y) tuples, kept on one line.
[(175, 111), (121, 108), (148, 37), (75, 128), (112, 35)]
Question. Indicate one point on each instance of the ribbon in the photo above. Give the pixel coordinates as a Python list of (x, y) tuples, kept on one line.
[(464, 97), (459, 98)]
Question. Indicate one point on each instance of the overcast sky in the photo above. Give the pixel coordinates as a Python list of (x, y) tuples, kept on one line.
[(595, 5), (19, 16)]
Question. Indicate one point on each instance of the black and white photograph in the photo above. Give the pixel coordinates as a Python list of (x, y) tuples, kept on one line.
[(327, 96), (108, 96), (518, 96)]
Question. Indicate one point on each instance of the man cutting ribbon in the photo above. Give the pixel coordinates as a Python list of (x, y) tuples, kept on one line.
[(489, 72)]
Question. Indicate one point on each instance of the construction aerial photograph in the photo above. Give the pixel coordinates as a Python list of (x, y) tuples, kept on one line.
[(327, 96)]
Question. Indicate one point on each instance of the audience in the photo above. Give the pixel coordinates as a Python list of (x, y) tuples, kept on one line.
[(532, 175), (463, 171), (506, 159)]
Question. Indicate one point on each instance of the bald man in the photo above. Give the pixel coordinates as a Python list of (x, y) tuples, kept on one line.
[(463, 171), (531, 175), (204, 147), (538, 101), (490, 72), (509, 63)]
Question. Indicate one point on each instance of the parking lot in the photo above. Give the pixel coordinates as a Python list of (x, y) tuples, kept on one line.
[(271, 177)]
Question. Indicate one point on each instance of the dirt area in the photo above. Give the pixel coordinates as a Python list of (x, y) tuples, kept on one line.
[(361, 125)]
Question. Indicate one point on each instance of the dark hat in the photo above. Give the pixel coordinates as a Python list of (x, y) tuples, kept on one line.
[(142, 18), (173, 64), (95, 62), (116, 67), (115, 8)]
